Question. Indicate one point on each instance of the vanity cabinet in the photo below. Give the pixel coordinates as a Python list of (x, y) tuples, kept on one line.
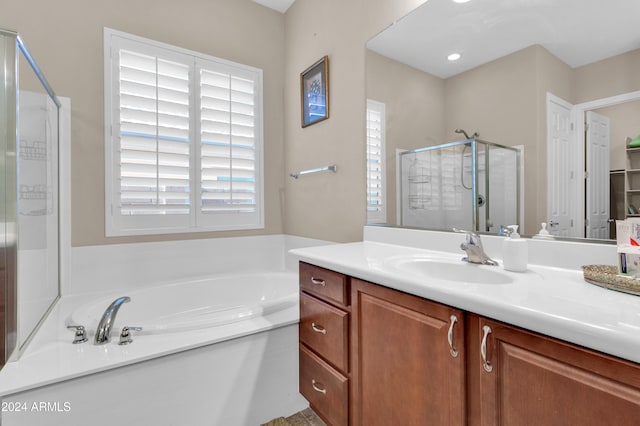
[(408, 359), (391, 358), (522, 378), (324, 342)]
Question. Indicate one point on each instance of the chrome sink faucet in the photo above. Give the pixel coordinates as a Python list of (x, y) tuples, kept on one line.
[(103, 332), (473, 247)]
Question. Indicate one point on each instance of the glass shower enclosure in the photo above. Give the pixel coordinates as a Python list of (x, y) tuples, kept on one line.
[(470, 184), (29, 194)]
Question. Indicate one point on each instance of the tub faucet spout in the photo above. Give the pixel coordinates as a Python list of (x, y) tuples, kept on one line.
[(103, 332)]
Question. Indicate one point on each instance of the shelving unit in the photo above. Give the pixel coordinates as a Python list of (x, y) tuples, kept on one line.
[(632, 183)]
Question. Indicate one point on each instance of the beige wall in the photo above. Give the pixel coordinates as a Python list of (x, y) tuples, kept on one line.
[(332, 206), (608, 77), (325, 205), (556, 77), (624, 124), (65, 37), (414, 103), (611, 77), (497, 100)]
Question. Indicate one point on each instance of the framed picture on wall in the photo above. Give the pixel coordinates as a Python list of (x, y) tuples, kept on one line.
[(314, 91)]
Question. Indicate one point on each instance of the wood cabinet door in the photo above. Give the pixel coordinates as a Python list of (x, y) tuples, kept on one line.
[(404, 372), (536, 380)]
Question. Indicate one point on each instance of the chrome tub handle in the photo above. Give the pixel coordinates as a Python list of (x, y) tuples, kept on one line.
[(125, 334), (80, 335)]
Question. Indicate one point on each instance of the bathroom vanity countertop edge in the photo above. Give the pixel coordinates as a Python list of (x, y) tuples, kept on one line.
[(549, 300)]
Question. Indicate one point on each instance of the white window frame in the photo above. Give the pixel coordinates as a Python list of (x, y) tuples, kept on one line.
[(117, 224), (378, 216)]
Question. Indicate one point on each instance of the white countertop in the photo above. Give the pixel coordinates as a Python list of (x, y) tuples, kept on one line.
[(549, 300)]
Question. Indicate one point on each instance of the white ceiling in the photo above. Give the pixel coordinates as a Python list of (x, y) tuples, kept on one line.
[(576, 31), (279, 5)]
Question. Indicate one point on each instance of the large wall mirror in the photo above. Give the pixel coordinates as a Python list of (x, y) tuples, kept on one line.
[(558, 81)]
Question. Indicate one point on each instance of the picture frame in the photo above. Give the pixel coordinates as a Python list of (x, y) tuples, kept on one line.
[(314, 92)]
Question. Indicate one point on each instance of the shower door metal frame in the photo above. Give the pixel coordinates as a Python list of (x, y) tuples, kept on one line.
[(8, 186)]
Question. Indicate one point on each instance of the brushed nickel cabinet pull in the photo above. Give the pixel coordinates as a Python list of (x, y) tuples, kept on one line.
[(318, 329), (318, 281), (483, 349), (452, 350), (317, 388)]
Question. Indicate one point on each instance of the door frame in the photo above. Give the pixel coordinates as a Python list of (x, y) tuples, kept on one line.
[(580, 111)]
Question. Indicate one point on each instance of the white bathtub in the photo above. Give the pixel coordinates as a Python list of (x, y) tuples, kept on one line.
[(194, 304), (217, 350)]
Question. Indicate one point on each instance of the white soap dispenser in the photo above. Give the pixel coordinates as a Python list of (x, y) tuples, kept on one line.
[(515, 253)]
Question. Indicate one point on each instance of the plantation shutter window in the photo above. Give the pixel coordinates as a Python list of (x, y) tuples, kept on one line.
[(183, 140), (376, 197), (154, 135), (228, 141)]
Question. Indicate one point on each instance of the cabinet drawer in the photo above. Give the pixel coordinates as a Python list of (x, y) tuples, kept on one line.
[(325, 329), (326, 284), (326, 389)]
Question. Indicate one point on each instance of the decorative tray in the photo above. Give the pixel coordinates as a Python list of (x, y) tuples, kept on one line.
[(607, 276)]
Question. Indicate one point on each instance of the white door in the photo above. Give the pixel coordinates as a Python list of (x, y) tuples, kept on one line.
[(561, 173), (597, 192)]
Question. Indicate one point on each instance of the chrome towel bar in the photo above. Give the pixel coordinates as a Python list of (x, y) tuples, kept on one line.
[(296, 175)]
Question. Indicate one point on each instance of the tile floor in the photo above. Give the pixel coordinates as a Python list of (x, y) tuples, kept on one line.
[(303, 418), (306, 418)]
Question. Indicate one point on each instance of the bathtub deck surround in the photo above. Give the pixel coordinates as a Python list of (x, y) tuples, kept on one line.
[(108, 267), (242, 381), (243, 364), (196, 304)]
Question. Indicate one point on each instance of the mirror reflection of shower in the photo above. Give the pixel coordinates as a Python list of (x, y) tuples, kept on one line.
[(475, 135), (468, 184)]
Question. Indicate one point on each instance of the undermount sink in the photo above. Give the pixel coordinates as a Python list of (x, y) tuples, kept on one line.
[(460, 272)]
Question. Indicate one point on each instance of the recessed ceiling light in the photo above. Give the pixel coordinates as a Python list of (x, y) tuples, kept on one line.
[(460, 1), (454, 56)]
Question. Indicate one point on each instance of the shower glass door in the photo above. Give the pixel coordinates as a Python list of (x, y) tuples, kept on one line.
[(37, 122)]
